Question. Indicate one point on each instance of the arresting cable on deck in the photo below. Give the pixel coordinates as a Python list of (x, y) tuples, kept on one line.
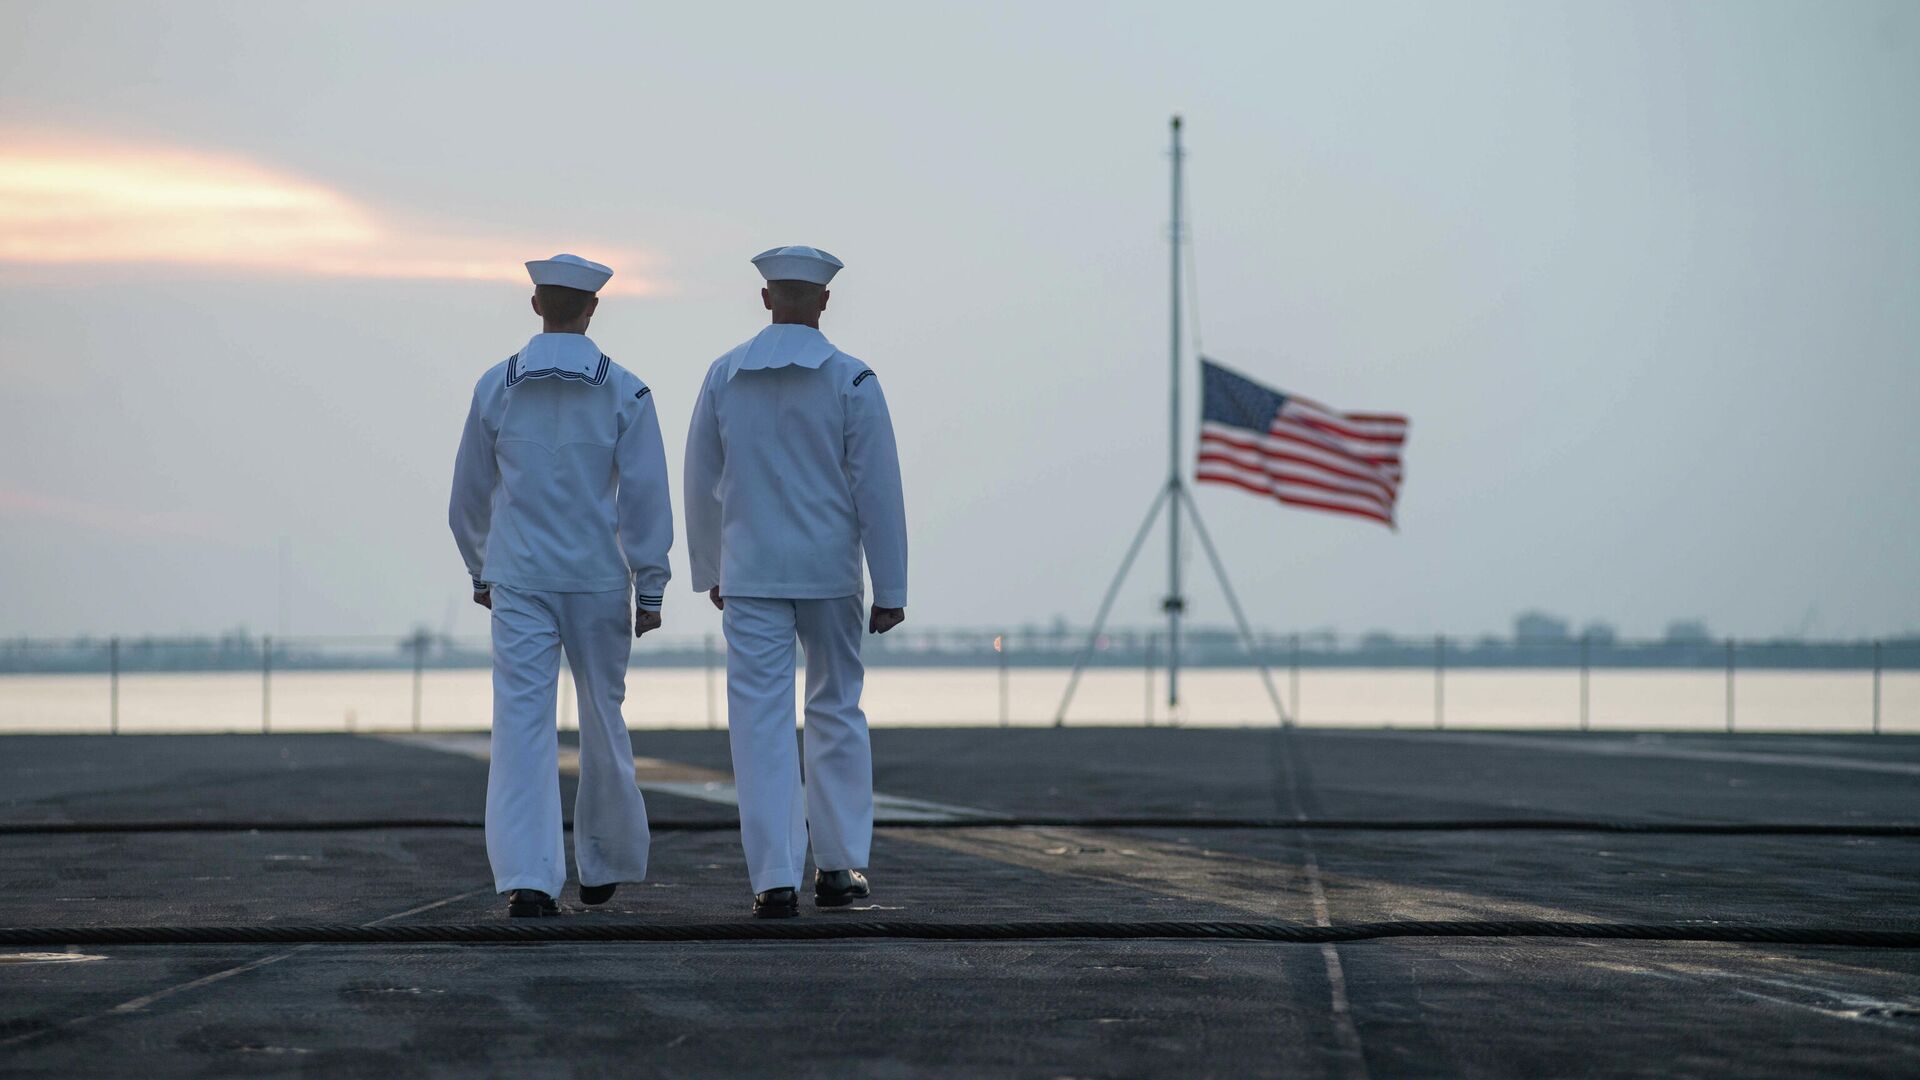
[(1660, 828), (830, 929)]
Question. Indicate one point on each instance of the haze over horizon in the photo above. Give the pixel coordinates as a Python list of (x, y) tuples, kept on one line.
[(1644, 277)]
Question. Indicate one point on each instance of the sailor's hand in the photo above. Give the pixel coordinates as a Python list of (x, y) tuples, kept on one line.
[(883, 619), (483, 597), (713, 594), (644, 620)]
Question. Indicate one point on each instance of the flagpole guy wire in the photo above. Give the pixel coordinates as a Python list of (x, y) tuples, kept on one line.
[(1233, 602), (1106, 603), (1175, 498)]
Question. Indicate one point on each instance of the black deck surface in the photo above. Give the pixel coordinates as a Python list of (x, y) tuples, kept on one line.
[(1476, 1006)]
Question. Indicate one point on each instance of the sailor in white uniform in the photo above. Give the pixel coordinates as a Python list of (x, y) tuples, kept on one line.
[(561, 510), (791, 473)]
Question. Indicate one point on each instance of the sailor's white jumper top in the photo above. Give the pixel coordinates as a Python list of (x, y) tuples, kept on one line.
[(561, 480), (792, 473)]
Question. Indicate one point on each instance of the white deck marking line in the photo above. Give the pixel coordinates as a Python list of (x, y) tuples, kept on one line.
[(692, 781), (893, 807), (139, 1004), (1832, 1014), (1342, 1008), (1345, 1030), (1682, 972), (1855, 1006), (443, 902), (1652, 750)]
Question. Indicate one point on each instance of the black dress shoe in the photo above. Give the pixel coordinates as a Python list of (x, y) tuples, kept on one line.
[(530, 904), (838, 888), (776, 904), (597, 894)]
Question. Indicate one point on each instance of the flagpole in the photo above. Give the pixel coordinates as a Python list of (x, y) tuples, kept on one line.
[(1176, 500), (1175, 603)]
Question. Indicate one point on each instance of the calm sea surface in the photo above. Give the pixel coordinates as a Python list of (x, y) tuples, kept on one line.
[(1819, 701)]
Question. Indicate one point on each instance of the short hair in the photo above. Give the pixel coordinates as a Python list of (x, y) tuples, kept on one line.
[(561, 304), (789, 292)]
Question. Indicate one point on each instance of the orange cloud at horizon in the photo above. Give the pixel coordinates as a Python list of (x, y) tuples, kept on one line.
[(71, 204), (23, 504)]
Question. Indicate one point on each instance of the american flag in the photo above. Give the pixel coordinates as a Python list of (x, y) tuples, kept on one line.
[(1300, 452)]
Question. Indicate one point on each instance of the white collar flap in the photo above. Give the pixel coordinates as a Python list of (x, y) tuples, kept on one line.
[(781, 345), (559, 356)]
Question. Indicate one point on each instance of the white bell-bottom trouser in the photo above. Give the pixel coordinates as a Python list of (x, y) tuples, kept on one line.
[(836, 801), (524, 830)]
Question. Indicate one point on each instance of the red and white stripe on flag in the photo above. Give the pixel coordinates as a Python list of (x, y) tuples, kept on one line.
[(1307, 455)]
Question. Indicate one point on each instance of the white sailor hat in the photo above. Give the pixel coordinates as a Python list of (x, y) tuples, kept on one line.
[(797, 262), (571, 271)]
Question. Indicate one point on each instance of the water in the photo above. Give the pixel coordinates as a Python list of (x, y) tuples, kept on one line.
[(1675, 700)]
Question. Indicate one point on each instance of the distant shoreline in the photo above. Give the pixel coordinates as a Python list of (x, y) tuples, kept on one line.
[(970, 649)]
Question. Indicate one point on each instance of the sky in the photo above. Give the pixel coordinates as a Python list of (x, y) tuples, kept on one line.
[(1645, 277)]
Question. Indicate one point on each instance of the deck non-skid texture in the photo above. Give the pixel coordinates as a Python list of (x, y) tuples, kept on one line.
[(1457, 1006)]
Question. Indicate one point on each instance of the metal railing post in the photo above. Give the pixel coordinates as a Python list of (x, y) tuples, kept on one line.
[(318, 656), (1729, 686), (114, 688), (1293, 679), (419, 674), (1584, 698), (266, 684), (1876, 688), (1001, 643), (1152, 659), (713, 704)]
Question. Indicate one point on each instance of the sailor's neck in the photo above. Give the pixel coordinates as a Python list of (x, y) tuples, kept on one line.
[(797, 320)]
